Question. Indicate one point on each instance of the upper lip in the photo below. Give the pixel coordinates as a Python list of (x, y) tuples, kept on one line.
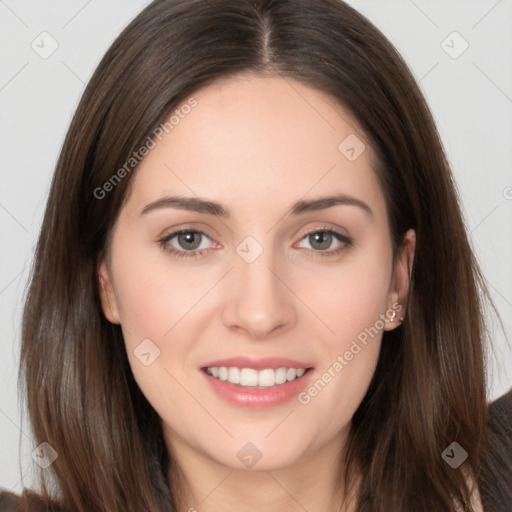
[(258, 363)]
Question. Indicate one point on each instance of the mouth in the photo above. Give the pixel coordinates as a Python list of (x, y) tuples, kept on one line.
[(257, 379), (257, 383)]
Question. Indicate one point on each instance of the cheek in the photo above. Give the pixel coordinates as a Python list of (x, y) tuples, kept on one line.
[(349, 297), (155, 302), (152, 296), (351, 305)]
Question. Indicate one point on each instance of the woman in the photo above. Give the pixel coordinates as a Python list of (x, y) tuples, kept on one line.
[(262, 368)]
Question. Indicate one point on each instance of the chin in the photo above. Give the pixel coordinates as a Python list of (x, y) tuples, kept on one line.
[(255, 453)]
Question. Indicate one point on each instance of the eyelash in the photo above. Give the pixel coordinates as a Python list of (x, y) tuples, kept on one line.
[(164, 243)]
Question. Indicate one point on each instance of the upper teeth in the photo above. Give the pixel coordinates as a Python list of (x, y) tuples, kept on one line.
[(251, 377)]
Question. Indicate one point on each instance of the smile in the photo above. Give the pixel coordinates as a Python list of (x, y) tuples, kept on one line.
[(249, 377)]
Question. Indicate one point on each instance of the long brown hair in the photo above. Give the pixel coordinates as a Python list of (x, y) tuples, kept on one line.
[(429, 386)]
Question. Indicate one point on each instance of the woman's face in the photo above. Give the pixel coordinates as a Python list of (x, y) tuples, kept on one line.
[(266, 281)]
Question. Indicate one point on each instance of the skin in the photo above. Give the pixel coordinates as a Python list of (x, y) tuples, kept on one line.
[(255, 144)]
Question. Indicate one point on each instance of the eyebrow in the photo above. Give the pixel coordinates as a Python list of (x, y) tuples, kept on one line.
[(199, 205)]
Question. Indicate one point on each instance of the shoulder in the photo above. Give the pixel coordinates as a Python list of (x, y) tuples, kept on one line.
[(502, 407), (29, 501), (500, 428), (495, 480), (9, 501)]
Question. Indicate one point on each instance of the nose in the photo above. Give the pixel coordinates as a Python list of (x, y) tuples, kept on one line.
[(259, 302)]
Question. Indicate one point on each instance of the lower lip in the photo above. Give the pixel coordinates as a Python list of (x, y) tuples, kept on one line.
[(254, 398)]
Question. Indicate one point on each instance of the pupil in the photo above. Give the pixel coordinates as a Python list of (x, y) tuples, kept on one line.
[(187, 238), (321, 238)]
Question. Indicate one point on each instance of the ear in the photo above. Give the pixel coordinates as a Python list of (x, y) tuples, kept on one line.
[(108, 298), (400, 281)]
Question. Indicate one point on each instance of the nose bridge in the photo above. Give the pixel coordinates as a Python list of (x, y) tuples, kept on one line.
[(256, 269), (259, 301)]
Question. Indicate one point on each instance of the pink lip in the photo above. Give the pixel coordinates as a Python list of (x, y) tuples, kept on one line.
[(258, 364), (254, 398)]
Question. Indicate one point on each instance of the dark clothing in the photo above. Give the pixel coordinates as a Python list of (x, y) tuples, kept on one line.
[(495, 480)]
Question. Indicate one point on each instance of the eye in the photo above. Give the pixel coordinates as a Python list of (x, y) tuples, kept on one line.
[(187, 239), (187, 242), (322, 239)]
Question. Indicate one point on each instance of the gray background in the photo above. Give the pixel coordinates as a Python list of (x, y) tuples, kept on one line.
[(470, 95)]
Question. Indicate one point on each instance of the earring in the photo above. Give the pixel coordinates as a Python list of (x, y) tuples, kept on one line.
[(393, 316)]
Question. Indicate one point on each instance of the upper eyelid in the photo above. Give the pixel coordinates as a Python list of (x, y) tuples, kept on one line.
[(186, 229), (179, 231)]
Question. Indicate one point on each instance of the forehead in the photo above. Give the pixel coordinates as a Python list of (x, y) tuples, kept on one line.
[(248, 136)]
